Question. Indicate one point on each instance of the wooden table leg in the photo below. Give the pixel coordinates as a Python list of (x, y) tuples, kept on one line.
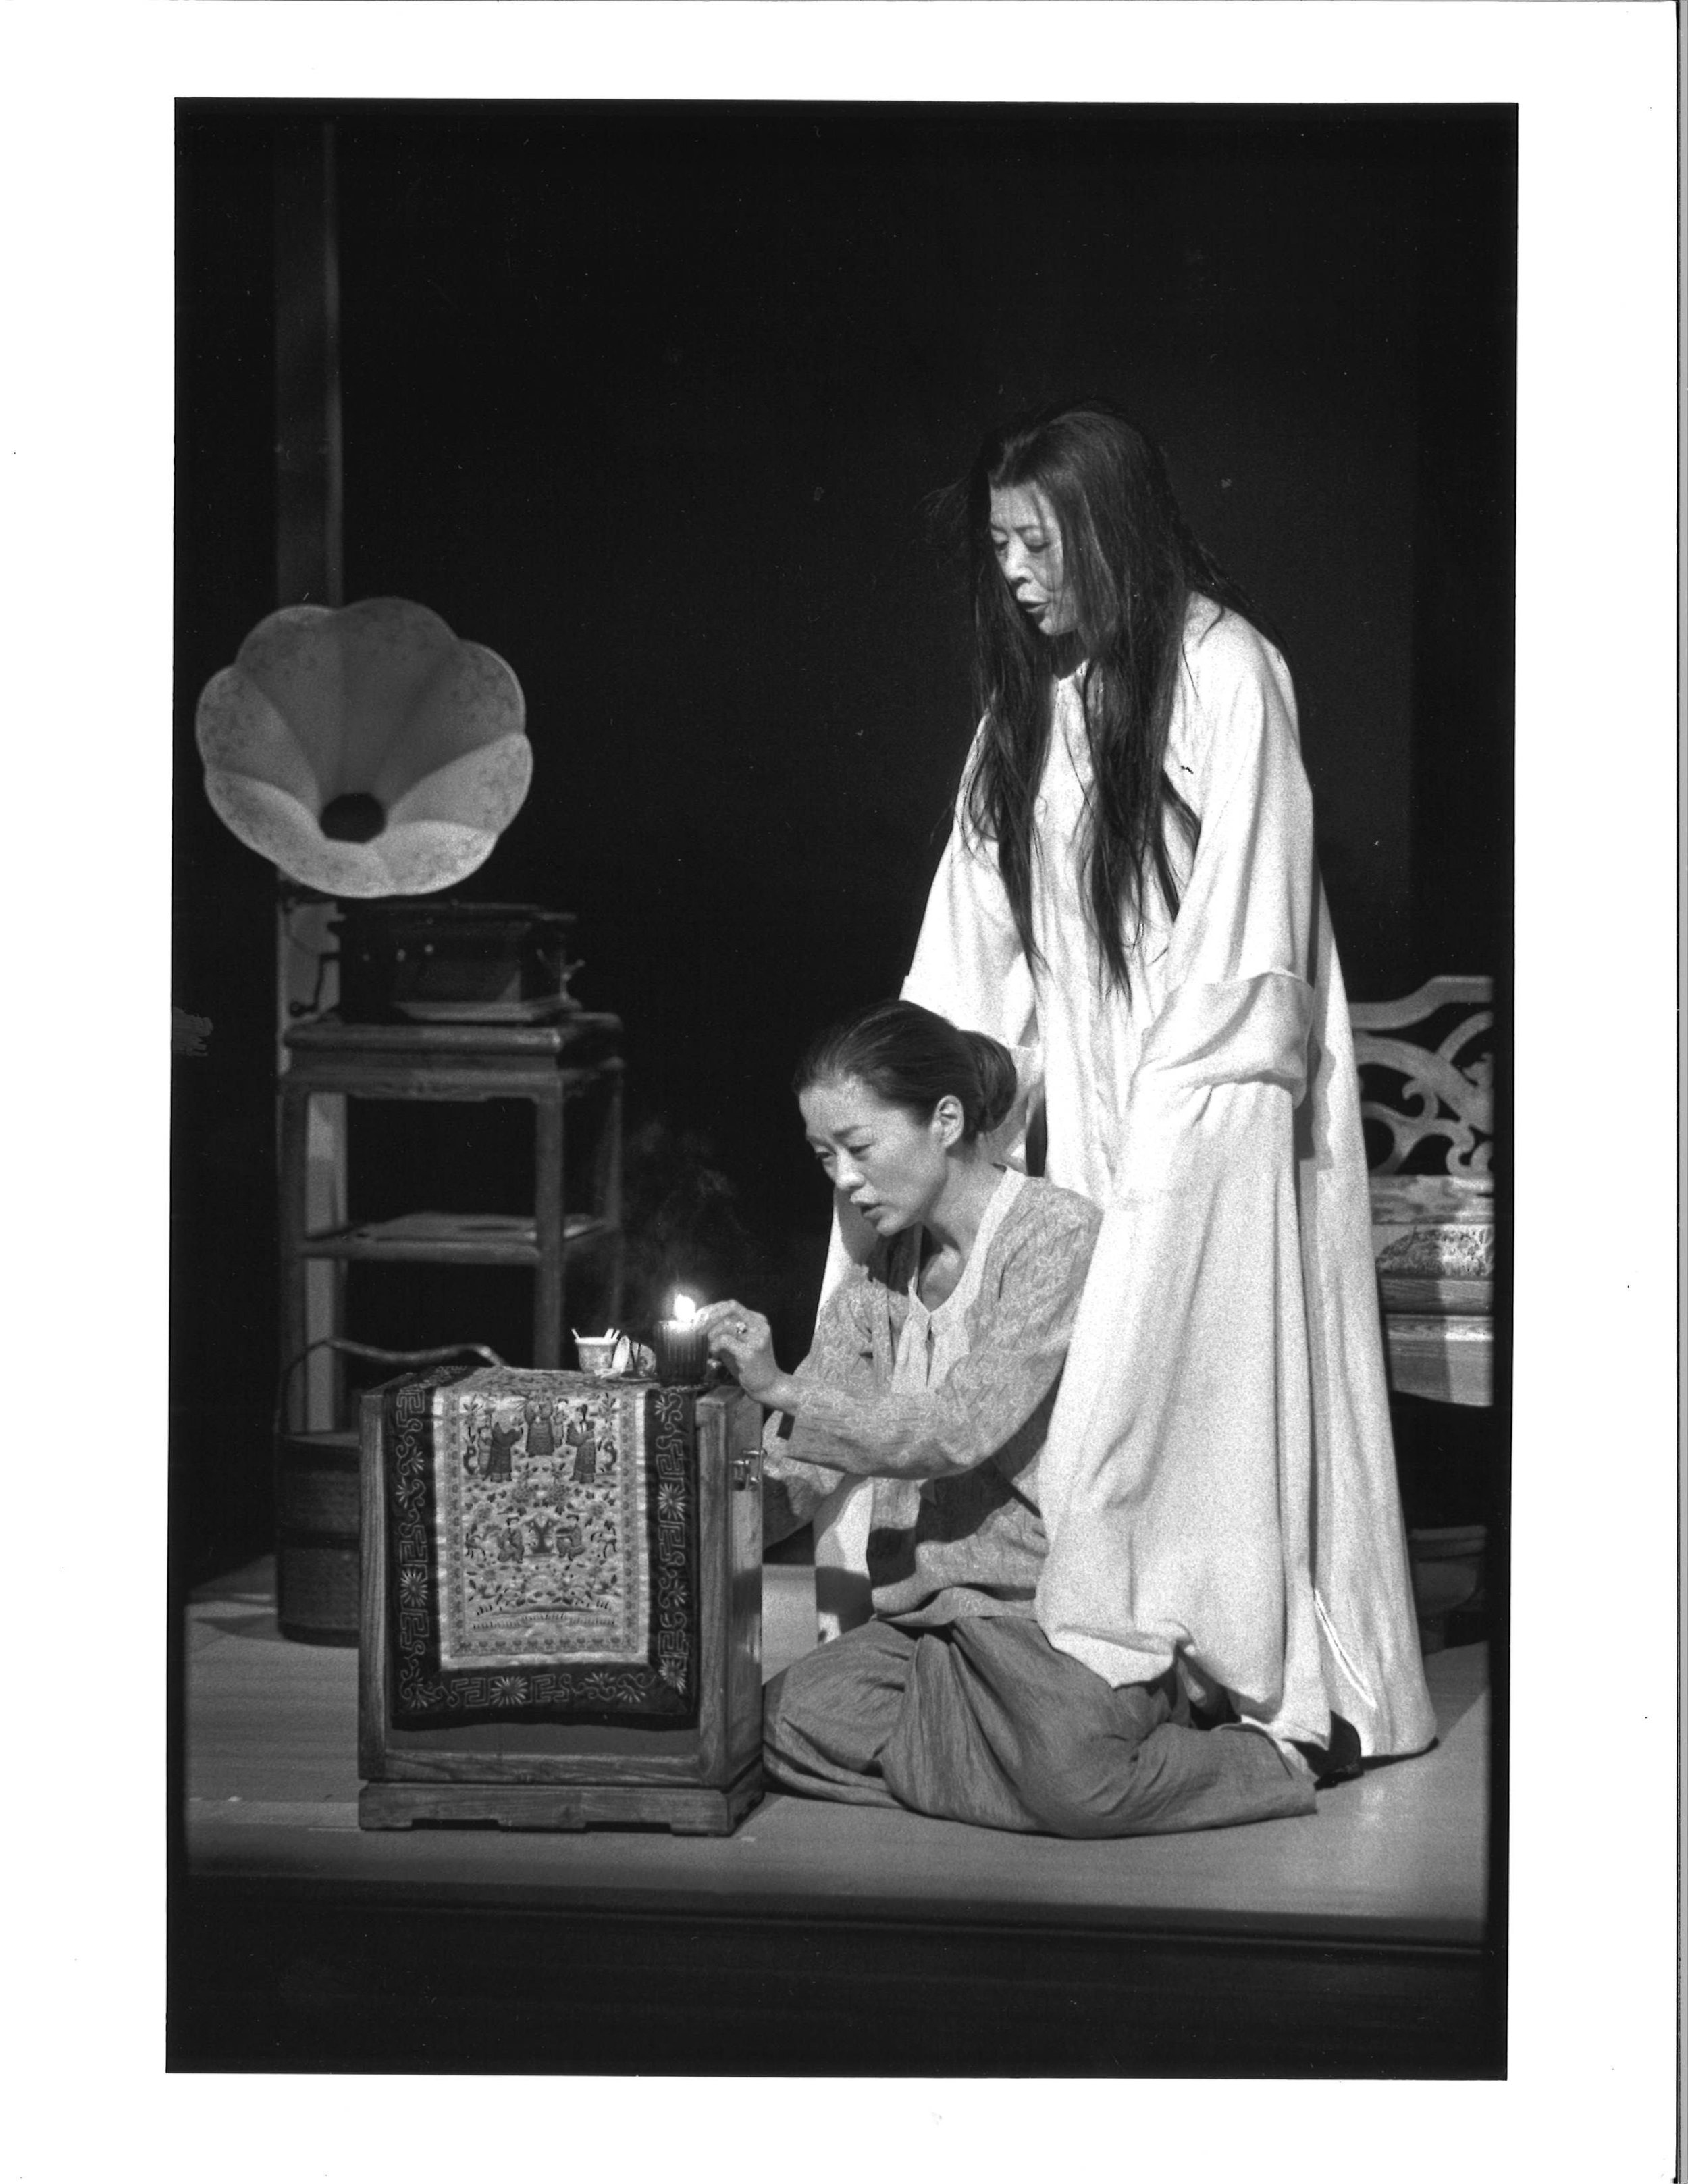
[(548, 1205), (295, 1123)]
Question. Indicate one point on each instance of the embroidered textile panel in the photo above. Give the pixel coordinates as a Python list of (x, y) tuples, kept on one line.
[(542, 1548)]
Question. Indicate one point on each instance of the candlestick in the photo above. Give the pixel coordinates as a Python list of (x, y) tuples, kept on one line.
[(682, 1346)]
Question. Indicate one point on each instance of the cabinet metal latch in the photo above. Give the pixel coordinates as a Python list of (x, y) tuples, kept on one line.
[(747, 1470)]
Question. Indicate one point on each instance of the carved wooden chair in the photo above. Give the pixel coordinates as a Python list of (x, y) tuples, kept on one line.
[(1426, 1103), (1426, 1099)]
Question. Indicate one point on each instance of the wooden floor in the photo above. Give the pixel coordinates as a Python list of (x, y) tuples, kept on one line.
[(1356, 1941)]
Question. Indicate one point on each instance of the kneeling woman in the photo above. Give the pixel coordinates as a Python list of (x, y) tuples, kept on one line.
[(933, 1372)]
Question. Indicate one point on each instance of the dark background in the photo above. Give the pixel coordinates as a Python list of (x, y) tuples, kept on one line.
[(649, 399)]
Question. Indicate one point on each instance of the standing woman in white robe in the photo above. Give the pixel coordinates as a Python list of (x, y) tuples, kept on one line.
[(1129, 900)]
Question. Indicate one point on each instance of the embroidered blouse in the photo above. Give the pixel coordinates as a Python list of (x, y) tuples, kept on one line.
[(946, 1409)]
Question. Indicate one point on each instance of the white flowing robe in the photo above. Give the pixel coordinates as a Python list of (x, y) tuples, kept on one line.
[(1218, 1486)]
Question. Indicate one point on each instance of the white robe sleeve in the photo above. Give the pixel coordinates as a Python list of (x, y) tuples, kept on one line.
[(969, 966), (1218, 1484)]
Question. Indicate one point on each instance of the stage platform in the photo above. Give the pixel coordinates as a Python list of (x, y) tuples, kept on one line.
[(819, 1938)]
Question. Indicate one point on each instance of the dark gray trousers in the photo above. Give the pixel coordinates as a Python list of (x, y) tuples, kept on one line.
[(983, 1720)]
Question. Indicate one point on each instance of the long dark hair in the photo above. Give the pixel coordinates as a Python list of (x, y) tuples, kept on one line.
[(1130, 566), (910, 1057)]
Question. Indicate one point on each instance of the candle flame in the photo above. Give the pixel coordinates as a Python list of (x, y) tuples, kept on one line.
[(685, 1309)]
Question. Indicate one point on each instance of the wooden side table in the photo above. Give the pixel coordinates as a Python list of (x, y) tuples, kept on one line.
[(554, 1065)]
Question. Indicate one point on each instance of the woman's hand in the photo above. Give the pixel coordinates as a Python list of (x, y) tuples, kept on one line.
[(745, 1340)]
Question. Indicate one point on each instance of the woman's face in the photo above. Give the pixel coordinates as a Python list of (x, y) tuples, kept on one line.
[(889, 1164), (1027, 538)]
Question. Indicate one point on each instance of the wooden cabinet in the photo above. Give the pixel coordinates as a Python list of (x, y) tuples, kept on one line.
[(499, 1684)]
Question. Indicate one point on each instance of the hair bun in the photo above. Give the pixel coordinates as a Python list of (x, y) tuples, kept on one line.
[(999, 1081)]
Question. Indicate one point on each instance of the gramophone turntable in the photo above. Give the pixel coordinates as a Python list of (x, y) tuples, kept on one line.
[(434, 961)]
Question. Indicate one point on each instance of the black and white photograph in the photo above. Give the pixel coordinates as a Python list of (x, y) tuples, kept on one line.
[(865, 1113)]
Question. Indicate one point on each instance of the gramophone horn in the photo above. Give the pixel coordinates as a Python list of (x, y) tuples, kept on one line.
[(366, 749)]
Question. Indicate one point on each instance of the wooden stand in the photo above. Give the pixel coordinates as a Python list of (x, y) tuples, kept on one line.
[(553, 1065), (696, 1779)]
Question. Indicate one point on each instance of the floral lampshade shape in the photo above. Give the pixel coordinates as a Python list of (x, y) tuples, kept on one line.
[(366, 749)]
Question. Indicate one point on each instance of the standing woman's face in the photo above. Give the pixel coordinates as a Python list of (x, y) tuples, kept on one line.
[(1026, 540)]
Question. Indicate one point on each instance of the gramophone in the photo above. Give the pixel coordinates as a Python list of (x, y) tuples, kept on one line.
[(375, 758)]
